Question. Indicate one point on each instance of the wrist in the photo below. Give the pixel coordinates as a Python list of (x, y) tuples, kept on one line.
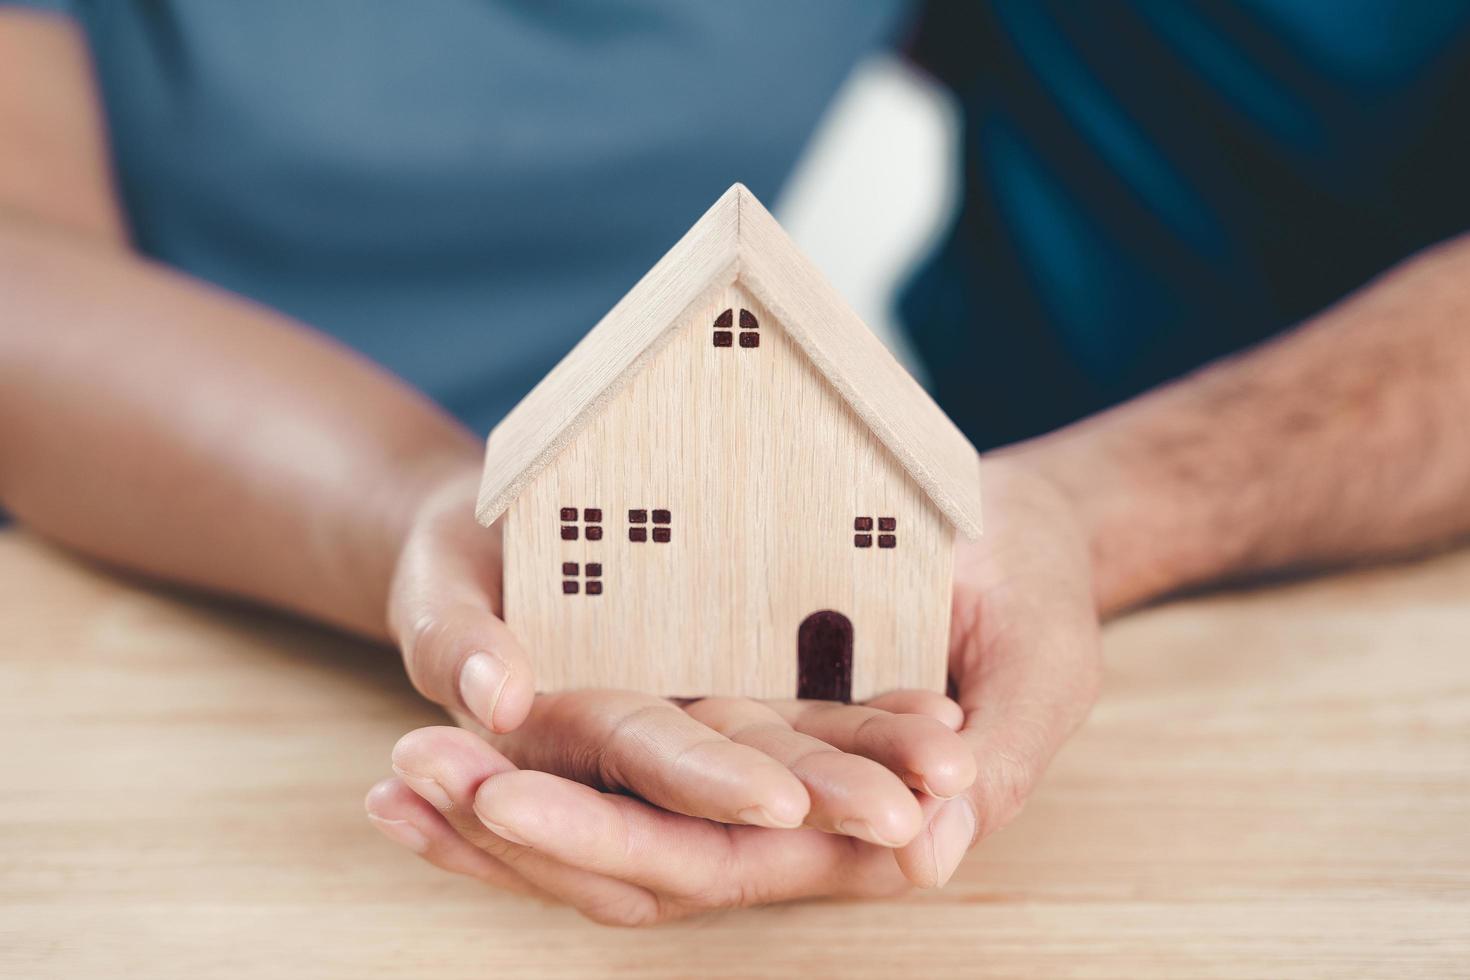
[(1145, 538), (391, 506)]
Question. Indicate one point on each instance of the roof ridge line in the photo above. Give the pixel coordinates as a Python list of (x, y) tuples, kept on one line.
[(861, 370)]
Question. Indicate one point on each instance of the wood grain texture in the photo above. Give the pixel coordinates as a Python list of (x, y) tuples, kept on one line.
[(763, 470), (1273, 785), (737, 237), (866, 375), (594, 371)]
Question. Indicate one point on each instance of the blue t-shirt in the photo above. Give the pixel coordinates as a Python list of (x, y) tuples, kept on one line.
[(1152, 184), (461, 188)]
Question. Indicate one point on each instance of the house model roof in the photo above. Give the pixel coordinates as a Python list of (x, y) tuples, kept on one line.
[(737, 239)]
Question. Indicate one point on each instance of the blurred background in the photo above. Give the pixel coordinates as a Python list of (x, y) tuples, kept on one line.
[(891, 140)]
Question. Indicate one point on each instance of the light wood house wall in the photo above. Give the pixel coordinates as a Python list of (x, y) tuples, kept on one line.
[(763, 471)]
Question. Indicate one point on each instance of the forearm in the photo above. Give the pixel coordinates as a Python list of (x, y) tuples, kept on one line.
[(1346, 439), (160, 424)]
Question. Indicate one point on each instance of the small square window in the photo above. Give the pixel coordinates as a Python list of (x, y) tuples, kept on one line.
[(569, 532), (660, 517), (592, 515), (637, 534), (637, 517), (724, 338), (594, 587), (594, 532), (569, 513), (862, 541), (750, 340), (887, 540), (661, 535), (569, 587), (747, 321), (594, 569), (862, 524), (724, 320), (887, 523), (569, 568)]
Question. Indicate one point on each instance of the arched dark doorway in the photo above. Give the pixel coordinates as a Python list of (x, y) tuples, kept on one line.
[(824, 657)]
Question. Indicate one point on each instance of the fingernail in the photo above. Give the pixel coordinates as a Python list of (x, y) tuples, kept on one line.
[(426, 787), (501, 830), (401, 832), (481, 680), (952, 832), (864, 831), (762, 817)]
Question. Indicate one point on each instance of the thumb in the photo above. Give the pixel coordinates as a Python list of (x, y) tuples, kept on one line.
[(463, 657), (457, 651)]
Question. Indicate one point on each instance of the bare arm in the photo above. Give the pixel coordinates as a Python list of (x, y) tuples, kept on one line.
[(162, 424), (1347, 439), (158, 423)]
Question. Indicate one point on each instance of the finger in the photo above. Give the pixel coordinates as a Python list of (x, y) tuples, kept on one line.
[(1024, 688), (405, 818), (693, 863), (914, 702), (457, 651), (849, 794), (931, 858), (922, 751), (448, 766), (637, 742)]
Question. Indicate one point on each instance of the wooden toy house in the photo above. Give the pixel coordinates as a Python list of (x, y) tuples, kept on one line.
[(731, 487)]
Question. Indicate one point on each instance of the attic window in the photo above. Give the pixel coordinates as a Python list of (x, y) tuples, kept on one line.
[(724, 335)]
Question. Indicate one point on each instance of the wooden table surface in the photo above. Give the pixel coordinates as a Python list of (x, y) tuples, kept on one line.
[(1275, 784)]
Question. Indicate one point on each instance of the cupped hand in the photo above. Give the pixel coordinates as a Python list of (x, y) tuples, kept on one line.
[(731, 760), (1024, 661), (466, 808), (444, 612), (687, 842), (1025, 657)]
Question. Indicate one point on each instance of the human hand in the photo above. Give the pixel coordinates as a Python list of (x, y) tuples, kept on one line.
[(444, 612), (561, 830), (1025, 659), (443, 608)]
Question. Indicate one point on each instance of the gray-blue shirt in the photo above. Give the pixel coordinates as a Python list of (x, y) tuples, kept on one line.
[(457, 188)]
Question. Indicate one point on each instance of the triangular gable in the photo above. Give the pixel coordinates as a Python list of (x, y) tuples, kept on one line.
[(737, 239)]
